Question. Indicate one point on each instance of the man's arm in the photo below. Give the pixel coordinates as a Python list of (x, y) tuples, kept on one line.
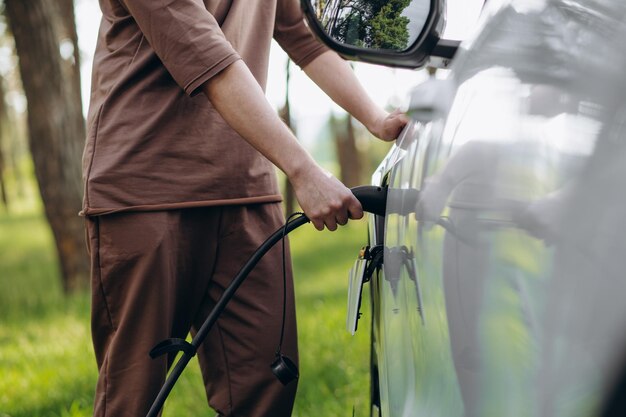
[(334, 75), (239, 99)]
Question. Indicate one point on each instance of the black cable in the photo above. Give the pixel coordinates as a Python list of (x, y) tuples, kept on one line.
[(219, 307), (282, 326)]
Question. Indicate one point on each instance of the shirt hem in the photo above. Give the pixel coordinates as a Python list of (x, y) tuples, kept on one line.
[(192, 87), (310, 56), (100, 211)]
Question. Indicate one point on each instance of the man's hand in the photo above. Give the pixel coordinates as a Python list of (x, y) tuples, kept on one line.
[(324, 199), (388, 126)]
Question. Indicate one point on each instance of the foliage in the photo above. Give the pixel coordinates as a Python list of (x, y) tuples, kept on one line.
[(46, 359), (389, 28), (374, 24)]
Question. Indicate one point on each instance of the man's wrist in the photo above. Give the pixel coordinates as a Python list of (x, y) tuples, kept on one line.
[(297, 166), (376, 121)]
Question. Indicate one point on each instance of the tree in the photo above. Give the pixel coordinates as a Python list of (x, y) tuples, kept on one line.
[(375, 24), (56, 126), (285, 114), (4, 118), (389, 29), (68, 36), (348, 155)]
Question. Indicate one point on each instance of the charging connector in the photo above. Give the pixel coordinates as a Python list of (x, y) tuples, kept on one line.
[(373, 199)]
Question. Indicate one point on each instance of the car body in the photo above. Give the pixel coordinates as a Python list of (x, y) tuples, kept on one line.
[(501, 287)]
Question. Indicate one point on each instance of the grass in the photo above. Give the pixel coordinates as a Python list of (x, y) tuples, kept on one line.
[(47, 368)]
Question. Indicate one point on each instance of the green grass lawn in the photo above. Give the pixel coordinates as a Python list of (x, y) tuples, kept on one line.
[(46, 361)]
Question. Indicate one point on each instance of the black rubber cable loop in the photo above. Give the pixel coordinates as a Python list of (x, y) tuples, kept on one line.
[(172, 345), (282, 326)]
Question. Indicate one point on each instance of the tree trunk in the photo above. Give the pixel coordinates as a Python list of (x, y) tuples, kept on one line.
[(67, 33), (4, 119), (285, 114), (3, 188), (347, 153), (56, 129)]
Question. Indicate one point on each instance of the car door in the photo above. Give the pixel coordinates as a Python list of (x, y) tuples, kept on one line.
[(499, 290)]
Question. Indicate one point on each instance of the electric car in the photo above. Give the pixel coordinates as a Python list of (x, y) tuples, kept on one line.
[(498, 272)]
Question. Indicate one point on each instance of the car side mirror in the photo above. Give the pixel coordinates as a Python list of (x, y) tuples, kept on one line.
[(402, 33)]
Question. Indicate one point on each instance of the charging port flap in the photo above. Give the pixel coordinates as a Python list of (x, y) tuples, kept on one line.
[(368, 261)]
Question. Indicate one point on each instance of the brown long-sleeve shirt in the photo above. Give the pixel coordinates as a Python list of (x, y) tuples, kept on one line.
[(154, 143)]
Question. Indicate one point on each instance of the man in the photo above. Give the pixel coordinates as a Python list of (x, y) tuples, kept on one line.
[(179, 190)]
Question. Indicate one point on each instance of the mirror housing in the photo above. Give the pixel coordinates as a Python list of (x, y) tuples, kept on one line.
[(425, 44)]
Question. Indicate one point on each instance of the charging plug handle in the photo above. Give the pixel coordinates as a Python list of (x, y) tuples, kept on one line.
[(372, 198)]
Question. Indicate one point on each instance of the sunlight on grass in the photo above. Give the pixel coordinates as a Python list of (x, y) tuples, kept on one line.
[(334, 365), (47, 367)]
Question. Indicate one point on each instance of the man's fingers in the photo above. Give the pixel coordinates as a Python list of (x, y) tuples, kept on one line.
[(342, 218), (394, 124), (318, 224), (400, 115), (331, 224), (327, 221), (336, 218), (355, 210)]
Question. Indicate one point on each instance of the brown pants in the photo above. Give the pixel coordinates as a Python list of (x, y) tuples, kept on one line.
[(157, 275)]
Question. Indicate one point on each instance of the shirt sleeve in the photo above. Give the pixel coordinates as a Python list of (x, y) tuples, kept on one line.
[(294, 36), (186, 38)]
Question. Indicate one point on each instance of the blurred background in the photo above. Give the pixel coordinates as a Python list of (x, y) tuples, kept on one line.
[(47, 366)]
